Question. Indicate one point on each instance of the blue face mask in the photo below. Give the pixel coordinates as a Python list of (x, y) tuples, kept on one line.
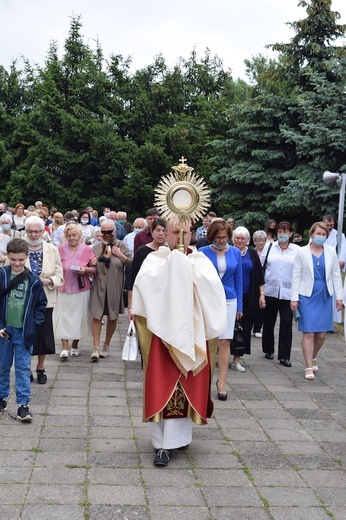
[(6, 227), (319, 241), (283, 238)]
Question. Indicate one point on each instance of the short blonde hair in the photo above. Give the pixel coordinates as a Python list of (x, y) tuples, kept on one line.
[(73, 226), (316, 225)]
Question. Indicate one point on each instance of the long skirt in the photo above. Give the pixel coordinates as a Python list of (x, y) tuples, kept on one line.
[(44, 339), (71, 316)]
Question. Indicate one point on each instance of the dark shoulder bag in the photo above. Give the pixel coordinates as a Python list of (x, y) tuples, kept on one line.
[(13, 284), (264, 266)]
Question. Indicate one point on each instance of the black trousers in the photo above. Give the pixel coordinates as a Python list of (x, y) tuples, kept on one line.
[(273, 306)]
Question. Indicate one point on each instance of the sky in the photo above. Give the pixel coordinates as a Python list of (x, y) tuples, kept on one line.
[(234, 30)]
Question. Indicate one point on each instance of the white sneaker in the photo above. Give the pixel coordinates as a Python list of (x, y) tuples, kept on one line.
[(104, 352), (74, 352), (64, 354), (238, 368), (95, 354), (257, 334)]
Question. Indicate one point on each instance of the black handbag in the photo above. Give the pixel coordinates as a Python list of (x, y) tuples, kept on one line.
[(238, 343)]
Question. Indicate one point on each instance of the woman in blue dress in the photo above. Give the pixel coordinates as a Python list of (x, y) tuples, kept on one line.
[(316, 278)]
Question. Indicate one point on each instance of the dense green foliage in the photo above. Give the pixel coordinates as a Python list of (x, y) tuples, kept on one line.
[(83, 130), (290, 130)]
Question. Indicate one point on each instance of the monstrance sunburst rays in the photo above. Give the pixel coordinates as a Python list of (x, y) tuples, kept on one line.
[(182, 195)]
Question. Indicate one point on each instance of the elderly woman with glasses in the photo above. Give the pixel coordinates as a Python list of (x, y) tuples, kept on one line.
[(45, 262), (108, 286), (253, 287), (227, 262)]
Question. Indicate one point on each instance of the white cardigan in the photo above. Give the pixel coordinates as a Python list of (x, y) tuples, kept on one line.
[(303, 273)]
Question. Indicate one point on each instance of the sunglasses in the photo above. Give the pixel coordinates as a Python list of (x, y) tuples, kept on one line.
[(107, 232)]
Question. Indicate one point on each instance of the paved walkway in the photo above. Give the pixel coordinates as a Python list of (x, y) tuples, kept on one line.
[(275, 450)]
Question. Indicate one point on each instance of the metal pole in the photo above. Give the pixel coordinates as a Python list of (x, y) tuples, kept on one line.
[(341, 211)]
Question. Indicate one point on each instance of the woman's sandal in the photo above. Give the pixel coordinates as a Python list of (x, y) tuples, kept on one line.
[(314, 366), (309, 377)]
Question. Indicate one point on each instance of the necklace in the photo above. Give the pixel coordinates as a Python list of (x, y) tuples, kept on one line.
[(243, 253)]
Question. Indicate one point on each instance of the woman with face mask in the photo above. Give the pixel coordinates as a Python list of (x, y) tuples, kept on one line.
[(45, 262), (227, 262), (278, 257), (316, 278), (6, 227), (87, 228)]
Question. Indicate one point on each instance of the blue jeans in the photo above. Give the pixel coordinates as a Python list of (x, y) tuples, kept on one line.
[(22, 363)]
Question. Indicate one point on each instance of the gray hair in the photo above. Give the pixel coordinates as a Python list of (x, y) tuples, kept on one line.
[(259, 234), (34, 220), (5, 219), (241, 231)]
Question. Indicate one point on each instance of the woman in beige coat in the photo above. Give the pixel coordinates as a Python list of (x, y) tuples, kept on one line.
[(108, 286), (45, 262)]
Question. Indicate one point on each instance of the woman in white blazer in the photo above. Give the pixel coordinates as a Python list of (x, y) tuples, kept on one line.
[(316, 278), (44, 260)]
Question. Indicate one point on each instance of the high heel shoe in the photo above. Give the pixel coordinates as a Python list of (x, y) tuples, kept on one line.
[(221, 397)]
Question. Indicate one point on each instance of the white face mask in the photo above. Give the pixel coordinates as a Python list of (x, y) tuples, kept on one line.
[(137, 230), (84, 221), (34, 242)]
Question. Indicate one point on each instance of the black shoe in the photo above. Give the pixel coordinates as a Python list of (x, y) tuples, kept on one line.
[(31, 377), (3, 406), (41, 377), (161, 458), (269, 355), (285, 362), (221, 397), (24, 414)]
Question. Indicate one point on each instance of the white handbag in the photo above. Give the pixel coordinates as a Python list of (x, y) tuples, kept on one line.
[(130, 349)]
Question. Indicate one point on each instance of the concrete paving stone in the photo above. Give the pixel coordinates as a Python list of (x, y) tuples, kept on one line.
[(20, 442), (69, 421), (332, 496), (57, 459), (240, 513), (327, 478), (97, 512), (55, 494), (169, 496), (207, 434), (111, 401), (225, 478), (112, 421), (334, 450), (12, 494), (299, 513), (313, 462), (338, 512), (275, 477), (66, 409), (106, 392), (174, 512), (63, 444), (234, 424), (211, 447), (281, 424), (60, 394), (173, 477), (14, 475), (115, 460), (64, 432), (289, 435), (268, 403), (251, 434), (61, 384), (10, 512), (286, 496), (111, 432), (263, 414), (110, 410), (69, 401), (217, 495), (333, 402), (259, 461), (112, 445), (17, 458), (309, 404), (53, 512), (304, 448), (10, 430), (223, 414), (60, 475), (215, 461), (114, 476), (334, 436), (109, 494)]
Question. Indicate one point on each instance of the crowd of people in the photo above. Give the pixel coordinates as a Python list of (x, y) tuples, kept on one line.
[(62, 275)]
